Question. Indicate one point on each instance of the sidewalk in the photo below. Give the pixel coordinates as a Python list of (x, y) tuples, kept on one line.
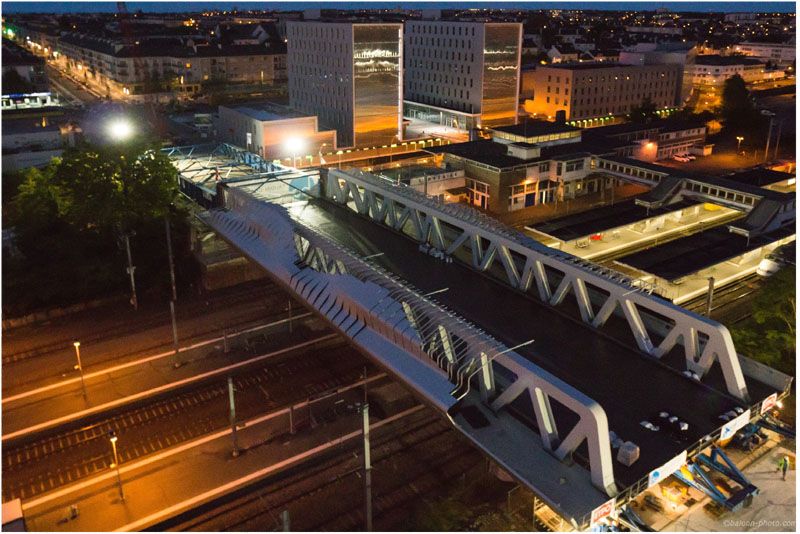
[(168, 483), (107, 388)]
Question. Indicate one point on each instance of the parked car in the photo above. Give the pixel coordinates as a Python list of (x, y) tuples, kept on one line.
[(691, 157), (680, 157)]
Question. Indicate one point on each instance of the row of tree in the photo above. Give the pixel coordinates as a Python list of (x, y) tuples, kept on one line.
[(67, 220)]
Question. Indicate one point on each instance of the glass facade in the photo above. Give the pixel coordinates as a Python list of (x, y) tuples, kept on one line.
[(377, 59), (453, 119), (500, 75)]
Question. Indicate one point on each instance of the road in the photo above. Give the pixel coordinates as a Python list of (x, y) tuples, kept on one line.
[(76, 93)]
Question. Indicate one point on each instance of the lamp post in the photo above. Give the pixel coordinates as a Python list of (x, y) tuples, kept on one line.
[(77, 345), (739, 145), (294, 144), (339, 153), (113, 437)]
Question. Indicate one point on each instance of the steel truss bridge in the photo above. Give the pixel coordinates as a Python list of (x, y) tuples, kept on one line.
[(545, 431)]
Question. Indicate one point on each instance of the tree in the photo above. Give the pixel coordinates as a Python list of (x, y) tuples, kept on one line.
[(737, 112), (769, 335), (68, 218), (644, 112), (114, 187)]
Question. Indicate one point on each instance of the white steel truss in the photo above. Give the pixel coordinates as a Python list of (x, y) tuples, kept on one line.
[(432, 349), (456, 228)]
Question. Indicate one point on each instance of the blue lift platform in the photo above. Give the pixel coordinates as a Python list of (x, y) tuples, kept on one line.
[(698, 478), (770, 423)]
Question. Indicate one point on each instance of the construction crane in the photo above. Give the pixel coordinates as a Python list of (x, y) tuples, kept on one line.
[(128, 39)]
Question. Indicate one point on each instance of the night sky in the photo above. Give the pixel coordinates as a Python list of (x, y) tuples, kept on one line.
[(78, 7)]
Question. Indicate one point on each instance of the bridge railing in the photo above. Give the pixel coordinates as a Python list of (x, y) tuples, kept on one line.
[(452, 228)]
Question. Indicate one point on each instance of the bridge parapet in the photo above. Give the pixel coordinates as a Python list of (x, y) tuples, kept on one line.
[(463, 233)]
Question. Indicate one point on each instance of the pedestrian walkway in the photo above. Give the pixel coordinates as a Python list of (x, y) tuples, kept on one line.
[(165, 484), (108, 388)]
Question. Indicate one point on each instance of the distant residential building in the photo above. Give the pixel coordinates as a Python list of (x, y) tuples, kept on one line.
[(779, 53), (270, 131), (462, 74), (713, 70), (563, 53), (157, 66), (590, 93), (23, 72), (349, 75)]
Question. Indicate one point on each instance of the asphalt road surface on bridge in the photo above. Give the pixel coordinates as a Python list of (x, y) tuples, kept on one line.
[(630, 386)]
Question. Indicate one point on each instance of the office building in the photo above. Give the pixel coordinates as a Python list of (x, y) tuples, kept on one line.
[(462, 75), (591, 93), (349, 75)]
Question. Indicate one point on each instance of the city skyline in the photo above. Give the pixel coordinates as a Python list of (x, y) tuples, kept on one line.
[(177, 7)]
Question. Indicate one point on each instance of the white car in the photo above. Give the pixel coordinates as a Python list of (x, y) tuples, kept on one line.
[(680, 157)]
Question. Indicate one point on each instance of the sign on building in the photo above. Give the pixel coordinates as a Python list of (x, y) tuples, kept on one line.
[(768, 403), (602, 512)]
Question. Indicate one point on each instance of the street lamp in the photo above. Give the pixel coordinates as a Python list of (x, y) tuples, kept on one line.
[(294, 145), (339, 153), (113, 436), (120, 129), (738, 146), (77, 345)]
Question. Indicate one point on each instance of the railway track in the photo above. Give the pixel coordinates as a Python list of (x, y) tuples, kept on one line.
[(257, 300), (726, 294), (41, 465), (408, 462)]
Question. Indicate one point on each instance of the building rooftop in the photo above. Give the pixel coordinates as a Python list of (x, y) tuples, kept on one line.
[(588, 66), (14, 55), (725, 60), (759, 177), (267, 111), (682, 257), (495, 154), (534, 128)]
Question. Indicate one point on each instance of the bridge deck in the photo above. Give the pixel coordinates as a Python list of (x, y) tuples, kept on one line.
[(628, 385)]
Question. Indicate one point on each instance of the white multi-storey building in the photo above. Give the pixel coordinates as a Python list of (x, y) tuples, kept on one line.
[(462, 74), (780, 53), (349, 75)]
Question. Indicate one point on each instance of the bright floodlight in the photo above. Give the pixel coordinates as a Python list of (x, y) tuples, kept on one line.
[(294, 144), (120, 129)]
